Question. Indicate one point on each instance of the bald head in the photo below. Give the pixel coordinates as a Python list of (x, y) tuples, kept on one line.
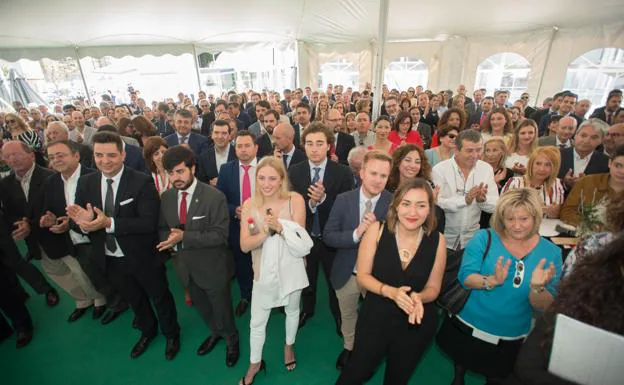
[(283, 136), (103, 121), (566, 128)]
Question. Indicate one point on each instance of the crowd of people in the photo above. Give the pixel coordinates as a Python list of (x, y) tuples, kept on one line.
[(269, 189)]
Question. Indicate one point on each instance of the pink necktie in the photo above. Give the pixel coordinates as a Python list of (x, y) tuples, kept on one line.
[(246, 183)]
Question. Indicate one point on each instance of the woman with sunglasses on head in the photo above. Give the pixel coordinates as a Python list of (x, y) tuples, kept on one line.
[(446, 148), (20, 131), (512, 279)]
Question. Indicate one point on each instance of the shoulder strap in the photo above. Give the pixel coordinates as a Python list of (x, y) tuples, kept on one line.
[(289, 205), (487, 246), (381, 227)]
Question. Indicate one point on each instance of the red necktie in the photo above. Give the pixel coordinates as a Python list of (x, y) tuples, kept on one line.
[(483, 116), (246, 183), (183, 209)]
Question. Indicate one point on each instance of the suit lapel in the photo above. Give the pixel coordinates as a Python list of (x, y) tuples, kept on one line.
[(237, 189), (195, 202), (329, 177), (123, 185), (354, 207)]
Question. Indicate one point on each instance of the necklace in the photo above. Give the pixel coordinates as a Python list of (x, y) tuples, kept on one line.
[(406, 254)]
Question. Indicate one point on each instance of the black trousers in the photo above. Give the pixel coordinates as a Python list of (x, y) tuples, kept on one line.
[(141, 284), (97, 276), (26, 271), (12, 305), (215, 307), (320, 256)]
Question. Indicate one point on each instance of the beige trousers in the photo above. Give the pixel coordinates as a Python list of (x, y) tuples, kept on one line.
[(348, 299)]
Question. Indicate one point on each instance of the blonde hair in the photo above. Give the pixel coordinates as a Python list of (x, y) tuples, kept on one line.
[(501, 142), (526, 198), (515, 140), (257, 199), (553, 155)]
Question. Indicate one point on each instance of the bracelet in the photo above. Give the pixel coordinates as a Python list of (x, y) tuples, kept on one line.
[(486, 283), (381, 289)]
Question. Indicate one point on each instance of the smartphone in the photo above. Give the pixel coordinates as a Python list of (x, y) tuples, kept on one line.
[(269, 212)]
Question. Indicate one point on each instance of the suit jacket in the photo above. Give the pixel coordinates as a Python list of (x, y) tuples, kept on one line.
[(130, 140), (550, 140), (204, 247), (163, 127), (229, 184), (134, 158), (86, 154), (344, 145), (528, 111), (475, 118), (337, 179), (600, 113), (207, 120), (265, 147), (297, 157), (255, 129), (543, 123), (197, 142), (16, 206), (136, 221), (297, 138), (243, 117), (207, 164), (57, 245), (425, 132), (344, 218), (598, 163)]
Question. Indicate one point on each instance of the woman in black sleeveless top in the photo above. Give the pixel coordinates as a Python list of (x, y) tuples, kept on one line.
[(400, 264)]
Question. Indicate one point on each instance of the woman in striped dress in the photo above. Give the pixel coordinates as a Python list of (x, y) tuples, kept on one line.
[(20, 131), (541, 175)]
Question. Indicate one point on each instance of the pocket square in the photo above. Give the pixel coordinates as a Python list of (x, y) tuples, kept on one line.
[(126, 202), (200, 217)]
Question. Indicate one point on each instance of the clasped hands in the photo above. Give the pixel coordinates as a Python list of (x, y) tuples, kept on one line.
[(89, 218), (478, 193), (57, 225), (409, 301), (316, 193)]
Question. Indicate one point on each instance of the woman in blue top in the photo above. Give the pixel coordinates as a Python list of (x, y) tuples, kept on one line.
[(518, 275)]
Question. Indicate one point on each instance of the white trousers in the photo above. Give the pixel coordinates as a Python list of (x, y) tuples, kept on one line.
[(260, 318)]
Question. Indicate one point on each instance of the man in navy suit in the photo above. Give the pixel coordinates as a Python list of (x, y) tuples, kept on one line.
[(237, 180), (183, 135), (134, 157), (163, 126), (219, 153), (265, 142), (234, 109), (304, 115), (319, 181), (566, 107), (583, 159), (352, 214), (283, 136)]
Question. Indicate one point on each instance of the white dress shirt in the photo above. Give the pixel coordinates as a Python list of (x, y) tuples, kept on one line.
[(289, 155), (25, 180), (580, 164), (363, 200), (462, 220), (567, 144), (252, 177), (104, 186), (69, 187), (187, 136), (221, 157)]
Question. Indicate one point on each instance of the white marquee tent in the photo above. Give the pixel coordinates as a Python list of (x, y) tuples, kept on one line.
[(451, 38)]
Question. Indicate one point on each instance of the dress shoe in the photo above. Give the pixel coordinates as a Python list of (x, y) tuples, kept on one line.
[(135, 323), (241, 308), (343, 358), (23, 339), (113, 314), (209, 344), (52, 298), (303, 318), (173, 347), (232, 353), (142, 345), (98, 311), (77, 314)]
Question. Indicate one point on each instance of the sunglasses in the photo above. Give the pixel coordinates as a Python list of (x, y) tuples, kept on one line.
[(451, 136), (519, 274)]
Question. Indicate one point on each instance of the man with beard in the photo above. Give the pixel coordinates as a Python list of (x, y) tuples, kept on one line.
[(265, 142)]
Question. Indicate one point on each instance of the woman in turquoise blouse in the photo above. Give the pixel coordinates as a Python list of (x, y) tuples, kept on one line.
[(519, 275)]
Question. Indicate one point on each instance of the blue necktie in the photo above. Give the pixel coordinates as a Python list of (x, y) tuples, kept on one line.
[(316, 225)]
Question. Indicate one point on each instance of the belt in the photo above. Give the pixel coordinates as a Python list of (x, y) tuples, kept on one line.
[(483, 336)]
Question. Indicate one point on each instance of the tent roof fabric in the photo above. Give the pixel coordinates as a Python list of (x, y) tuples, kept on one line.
[(37, 28)]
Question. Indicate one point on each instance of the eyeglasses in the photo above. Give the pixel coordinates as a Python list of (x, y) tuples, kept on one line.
[(519, 274), (614, 134)]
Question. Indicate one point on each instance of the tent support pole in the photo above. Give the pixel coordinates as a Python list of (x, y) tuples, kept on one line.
[(381, 45), (84, 80), (546, 60), (196, 62)]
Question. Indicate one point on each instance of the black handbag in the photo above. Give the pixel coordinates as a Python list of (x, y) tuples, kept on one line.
[(453, 296)]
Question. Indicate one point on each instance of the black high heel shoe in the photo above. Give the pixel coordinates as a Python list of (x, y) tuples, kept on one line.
[(262, 368)]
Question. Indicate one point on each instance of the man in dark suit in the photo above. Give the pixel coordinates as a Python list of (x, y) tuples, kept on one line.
[(349, 219), (220, 152), (134, 156), (583, 159), (56, 131), (607, 113), (566, 107), (283, 136), (343, 142), (237, 180), (183, 135), (319, 181), (260, 109), (234, 109), (209, 117), (565, 129), (265, 141), (304, 114), (481, 113), (162, 125), (194, 220), (21, 198), (118, 208)]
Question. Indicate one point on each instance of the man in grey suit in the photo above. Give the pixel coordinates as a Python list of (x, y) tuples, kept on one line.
[(194, 222), (563, 137), (350, 216)]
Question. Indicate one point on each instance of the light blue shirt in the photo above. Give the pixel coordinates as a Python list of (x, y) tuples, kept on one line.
[(504, 311)]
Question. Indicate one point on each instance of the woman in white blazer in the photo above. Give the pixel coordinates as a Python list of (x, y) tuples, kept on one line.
[(273, 229)]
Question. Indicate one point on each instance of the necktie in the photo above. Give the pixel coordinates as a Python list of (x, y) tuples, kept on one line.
[(109, 211), (562, 146), (483, 116), (368, 207), (183, 209), (246, 183), (316, 225), (609, 117), (285, 159), (183, 139), (361, 139)]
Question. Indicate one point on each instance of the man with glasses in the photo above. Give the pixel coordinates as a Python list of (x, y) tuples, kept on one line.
[(362, 135), (614, 137), (467, 188), (343, 142)]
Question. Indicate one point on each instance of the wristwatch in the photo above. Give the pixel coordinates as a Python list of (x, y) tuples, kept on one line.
[(486, 283), (538, 289)]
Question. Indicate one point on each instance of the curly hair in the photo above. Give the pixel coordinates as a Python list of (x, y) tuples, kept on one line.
[(397, 157), (487, 126), (447, 115)]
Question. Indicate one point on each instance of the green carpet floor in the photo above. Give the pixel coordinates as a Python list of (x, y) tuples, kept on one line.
[(86, 352)]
